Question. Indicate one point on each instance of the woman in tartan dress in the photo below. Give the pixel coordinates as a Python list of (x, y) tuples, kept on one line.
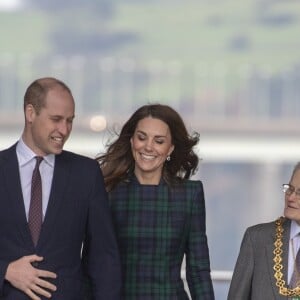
[(159, 214)]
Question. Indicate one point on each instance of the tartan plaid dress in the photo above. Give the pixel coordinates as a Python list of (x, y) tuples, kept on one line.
[(156, 225)]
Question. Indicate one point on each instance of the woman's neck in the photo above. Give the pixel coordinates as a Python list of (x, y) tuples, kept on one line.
[(149, 179)]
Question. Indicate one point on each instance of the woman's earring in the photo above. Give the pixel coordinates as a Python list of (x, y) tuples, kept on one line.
[(168, 158)]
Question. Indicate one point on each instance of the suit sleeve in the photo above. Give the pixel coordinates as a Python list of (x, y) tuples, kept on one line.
[(3, 269), (197, 254), (100, 251), (3, 263), (240, 286)]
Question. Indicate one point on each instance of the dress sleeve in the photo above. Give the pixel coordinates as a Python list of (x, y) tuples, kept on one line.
[(100, 251), (197, 254)]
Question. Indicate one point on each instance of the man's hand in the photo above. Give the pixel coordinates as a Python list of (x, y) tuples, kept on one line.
[(23, 276)]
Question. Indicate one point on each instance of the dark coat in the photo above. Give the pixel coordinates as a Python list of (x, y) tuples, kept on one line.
[(253, 277), (77, 221), (156, 226)]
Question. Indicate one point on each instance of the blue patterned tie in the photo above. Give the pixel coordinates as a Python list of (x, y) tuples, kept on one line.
[(35, 216)]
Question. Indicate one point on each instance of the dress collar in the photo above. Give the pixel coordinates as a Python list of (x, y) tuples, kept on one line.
[(133, 179)]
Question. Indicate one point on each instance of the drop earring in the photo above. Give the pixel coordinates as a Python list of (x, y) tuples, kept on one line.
[(168, 158)]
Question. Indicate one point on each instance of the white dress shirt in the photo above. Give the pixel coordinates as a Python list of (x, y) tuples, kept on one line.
[(293, 247), (27, 161)]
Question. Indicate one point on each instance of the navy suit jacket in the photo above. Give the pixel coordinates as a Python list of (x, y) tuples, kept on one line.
[(77, 236)]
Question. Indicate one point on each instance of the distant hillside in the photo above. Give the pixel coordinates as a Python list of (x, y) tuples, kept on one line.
[(215, 31)]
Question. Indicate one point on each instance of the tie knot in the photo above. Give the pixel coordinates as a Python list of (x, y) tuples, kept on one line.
[(38, 159)]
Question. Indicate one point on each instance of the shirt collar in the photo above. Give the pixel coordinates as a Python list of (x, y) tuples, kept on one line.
[(25, 154), (295, 229)]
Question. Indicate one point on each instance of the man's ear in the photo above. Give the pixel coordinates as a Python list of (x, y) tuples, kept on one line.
[(29, 113)]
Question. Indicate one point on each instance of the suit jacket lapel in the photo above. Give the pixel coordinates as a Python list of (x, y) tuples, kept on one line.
[(15, 196), (60, 177), (270, 257)]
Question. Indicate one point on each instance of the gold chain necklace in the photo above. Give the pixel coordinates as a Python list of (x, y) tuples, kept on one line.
[(280, 282)]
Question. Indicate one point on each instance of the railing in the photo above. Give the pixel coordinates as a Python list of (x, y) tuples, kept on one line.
[(221, 275), (216, 275)]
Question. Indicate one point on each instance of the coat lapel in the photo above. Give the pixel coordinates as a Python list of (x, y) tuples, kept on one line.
[(15, 196), (60, 177)]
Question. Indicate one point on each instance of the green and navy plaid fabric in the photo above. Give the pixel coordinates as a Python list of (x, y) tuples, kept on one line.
[(156, 226)]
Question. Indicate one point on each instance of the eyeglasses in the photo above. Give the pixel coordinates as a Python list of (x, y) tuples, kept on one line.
[(289, 190)]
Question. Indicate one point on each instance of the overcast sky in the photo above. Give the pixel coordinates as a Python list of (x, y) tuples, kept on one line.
[(9, 4)]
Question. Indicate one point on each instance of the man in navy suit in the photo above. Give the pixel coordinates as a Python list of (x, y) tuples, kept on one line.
[(76, 240)]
